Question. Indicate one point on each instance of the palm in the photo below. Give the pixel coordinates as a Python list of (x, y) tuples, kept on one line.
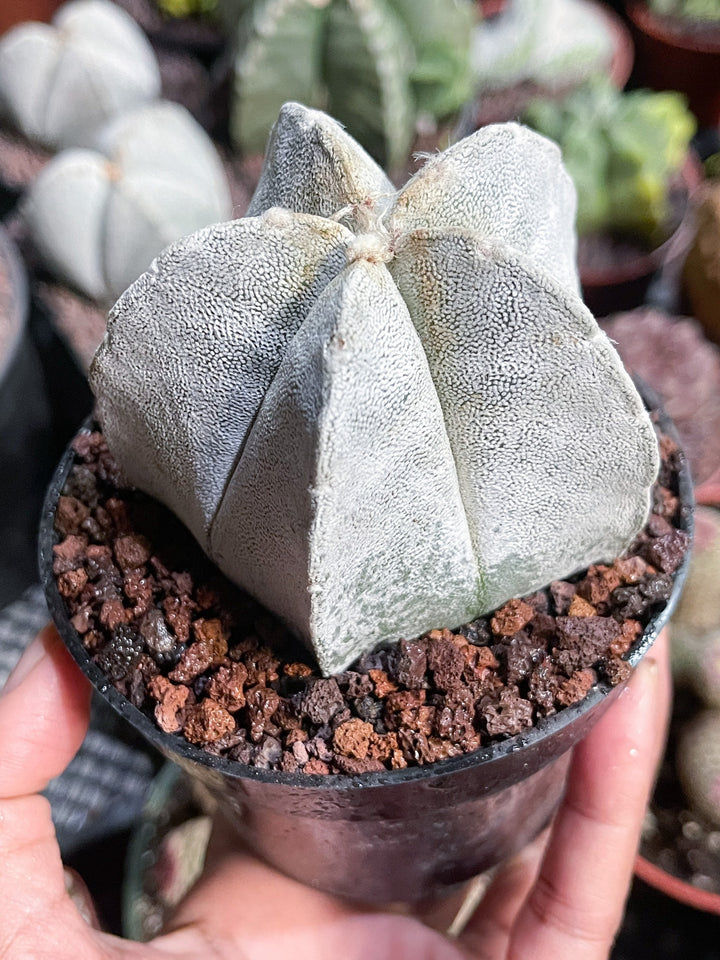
[(563, 898)]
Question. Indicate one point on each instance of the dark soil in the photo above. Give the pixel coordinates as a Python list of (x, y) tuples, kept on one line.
[(211, 665), (674, 836)]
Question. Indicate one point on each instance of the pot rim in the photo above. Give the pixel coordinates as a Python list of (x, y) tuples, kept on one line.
[(676, 888), (656, 26), (19, 297), (690, 176), (494, 752)]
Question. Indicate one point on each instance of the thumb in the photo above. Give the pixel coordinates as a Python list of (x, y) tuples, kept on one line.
[(43, 717)]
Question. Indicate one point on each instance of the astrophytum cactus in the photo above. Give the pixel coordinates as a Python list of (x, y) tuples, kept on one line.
[(97, 218), (381, 412), (60, 82)]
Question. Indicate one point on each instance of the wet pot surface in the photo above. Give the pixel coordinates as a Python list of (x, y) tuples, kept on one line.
[(394, 835)]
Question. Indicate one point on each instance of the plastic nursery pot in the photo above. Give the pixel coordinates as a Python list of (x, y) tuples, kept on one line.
[(396, 835), (676, 888), (673, 54), (625, 284)]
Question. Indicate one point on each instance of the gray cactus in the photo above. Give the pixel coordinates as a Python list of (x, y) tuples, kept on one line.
[(381, 412), (60, 82), (698, 764), (97, 218)]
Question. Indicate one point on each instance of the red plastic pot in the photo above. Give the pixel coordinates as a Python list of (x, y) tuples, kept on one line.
[(15, 11), (624, 286), (675, 888), (671, 57)]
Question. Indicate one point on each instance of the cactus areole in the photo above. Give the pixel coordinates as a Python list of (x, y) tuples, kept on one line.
[(381, 412)]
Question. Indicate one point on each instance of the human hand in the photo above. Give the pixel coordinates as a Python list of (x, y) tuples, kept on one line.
[(562, 896)]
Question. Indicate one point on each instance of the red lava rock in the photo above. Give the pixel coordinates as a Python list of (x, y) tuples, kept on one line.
[(668, 551), (599, 584), (322, 700), (70, 584), (178, 613), (209, 648), (352, 738), (446, 661), (509, 714), (382, 682), (355, 768), (511, 618), (562, 593), (207, 721), (630, 569), (316, 767), (576, 687), (412, 663), (297, 670), (113, 613), (170, 712), (227, 686), (131, 552), (70, 515), (581, 608), (69, 554), (260, 704)]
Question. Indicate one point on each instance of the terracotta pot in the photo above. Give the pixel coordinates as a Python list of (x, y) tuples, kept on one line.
[(668, 57), (15, 11), (678, 889), (491, 8), (394, 835), (624, 286)]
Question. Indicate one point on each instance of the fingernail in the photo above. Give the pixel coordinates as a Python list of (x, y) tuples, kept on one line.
[(35, 652)]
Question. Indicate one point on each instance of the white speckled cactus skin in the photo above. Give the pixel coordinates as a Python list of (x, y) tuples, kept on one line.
[(97, 218), (60, 82), (381, 413)]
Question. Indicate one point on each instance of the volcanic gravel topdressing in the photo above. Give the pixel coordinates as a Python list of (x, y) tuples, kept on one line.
[(209, 663)]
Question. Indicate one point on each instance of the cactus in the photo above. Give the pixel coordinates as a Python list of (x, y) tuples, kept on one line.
[(688, 9), (622, 150), (60, 82), (698, 764), (98, 217), (701, 270), (695, 626), (552, 43), (358, 403), (376, 64)]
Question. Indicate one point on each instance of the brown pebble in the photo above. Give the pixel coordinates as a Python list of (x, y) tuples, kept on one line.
[(207, 721), (71, 583), (382, 683), (70, 515), (113, 613), (172, 699), (576, 687), (316, 767), (511, 618), (131, 552), (352, 738), (581, 608), (227, 686)]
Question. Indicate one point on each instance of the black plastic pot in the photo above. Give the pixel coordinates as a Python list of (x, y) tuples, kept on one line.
[(397, 835)]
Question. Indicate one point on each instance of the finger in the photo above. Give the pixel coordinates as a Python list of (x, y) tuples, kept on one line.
[(43, 716), (487, 933), (242, 907), (576, 905)]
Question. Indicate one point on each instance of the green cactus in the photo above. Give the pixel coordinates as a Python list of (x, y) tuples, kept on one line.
[(60, 82), (97, 218), (695, 625), (622, 150), (377, 65), (689, 9), (552, 43), (357, 399)]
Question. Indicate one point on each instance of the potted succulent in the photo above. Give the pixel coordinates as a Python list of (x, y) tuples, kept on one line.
[(381, 69), (628, 154), (95, 219), (340, 396), (701, 269), (672, 355), (534, 49), (677, 46), (678, 852), (60, 82)]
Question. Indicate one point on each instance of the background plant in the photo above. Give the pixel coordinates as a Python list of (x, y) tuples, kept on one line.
[(375, 65), (622, 150)]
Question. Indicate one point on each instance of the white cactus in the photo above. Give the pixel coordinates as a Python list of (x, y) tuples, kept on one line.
[(98, 217), (392, 425), (60, 82)]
